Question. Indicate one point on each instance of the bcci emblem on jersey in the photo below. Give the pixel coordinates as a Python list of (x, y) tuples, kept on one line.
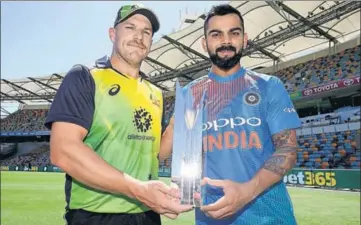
[(251, 98)]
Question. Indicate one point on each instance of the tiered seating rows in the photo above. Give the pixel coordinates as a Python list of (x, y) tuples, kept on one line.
[(323, 70), (329, 150)]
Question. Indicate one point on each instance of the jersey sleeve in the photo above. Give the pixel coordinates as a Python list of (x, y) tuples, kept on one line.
[(74, 100), (281, 114)]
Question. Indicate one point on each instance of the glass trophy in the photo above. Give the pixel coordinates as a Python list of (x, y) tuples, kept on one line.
[(187, 154)]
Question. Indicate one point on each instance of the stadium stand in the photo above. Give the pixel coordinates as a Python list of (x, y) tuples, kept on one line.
[(36, 156), (169, 107), (323, 70), (326, 150), (29, 160), (329, 150), (25, 120), (317, 150), (345, 64), (6, 150)]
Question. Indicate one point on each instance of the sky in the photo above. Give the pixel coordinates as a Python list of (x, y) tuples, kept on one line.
[(41, 38)]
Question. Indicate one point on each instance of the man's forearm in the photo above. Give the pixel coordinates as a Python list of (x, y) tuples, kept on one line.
[(85, 166), (279, 163)]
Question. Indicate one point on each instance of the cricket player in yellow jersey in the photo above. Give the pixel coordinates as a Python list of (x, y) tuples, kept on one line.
[(106, 124)]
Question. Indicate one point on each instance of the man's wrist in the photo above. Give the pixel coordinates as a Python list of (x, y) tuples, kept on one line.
[(136, 188), (255, 187)]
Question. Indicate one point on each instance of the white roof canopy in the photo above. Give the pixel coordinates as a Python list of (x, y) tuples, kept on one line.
[(276, 31)]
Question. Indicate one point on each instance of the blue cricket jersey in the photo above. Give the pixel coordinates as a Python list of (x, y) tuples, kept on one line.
[(242, 113)]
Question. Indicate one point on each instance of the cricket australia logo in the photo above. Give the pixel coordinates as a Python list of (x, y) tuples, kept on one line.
[(142, 120)]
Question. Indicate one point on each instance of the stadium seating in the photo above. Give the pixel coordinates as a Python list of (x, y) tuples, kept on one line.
[(6, 149), (326, 69), (25, 120), (320, 151), (345, 64), (329, 150), (323, 150), (34, 159), (323, 70), (169, 106)]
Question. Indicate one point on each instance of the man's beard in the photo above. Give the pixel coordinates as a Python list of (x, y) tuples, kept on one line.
[(135, 63), (126, 55), (226, 63)]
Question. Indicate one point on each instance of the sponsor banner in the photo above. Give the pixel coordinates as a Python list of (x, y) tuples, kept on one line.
[(331, 86), (31, 168), (23, 134), (4, 168), (324, 178), (320, 178), (164, 171), (296, 95)]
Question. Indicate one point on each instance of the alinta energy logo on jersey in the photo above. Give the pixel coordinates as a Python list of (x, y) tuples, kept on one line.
[(142, 121)]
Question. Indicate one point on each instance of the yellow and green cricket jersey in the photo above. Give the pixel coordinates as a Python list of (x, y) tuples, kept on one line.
[(125, 130)]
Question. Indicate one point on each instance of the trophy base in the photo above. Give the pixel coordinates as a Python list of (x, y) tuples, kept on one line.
[(194, 203), (189, 189)]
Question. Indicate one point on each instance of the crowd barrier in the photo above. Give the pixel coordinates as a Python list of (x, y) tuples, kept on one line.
[(328, 128), (328, 178)]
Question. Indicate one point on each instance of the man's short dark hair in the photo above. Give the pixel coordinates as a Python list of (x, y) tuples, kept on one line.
[(221, 10)]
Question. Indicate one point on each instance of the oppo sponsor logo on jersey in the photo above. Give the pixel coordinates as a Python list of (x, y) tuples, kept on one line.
[(232, 123), (230, 139)]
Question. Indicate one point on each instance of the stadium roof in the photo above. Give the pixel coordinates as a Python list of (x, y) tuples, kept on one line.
[(276, 30)]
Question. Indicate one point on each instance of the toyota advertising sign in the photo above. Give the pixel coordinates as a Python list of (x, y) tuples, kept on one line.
[(331, 86)]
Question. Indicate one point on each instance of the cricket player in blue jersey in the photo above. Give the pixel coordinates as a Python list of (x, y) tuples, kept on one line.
[(249, 135)]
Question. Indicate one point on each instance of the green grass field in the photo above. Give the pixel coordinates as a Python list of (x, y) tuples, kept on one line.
[(29, 198)]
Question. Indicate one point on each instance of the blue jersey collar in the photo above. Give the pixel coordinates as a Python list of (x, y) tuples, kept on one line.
[(231, 77)]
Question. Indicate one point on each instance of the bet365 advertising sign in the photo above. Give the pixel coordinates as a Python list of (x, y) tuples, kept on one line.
[(336, 178), (324, 178)]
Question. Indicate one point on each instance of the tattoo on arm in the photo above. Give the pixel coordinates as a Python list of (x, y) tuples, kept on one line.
[(285, 155)]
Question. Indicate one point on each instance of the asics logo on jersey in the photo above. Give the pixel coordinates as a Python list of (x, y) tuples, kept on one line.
[(232, 123), (115, 88)]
